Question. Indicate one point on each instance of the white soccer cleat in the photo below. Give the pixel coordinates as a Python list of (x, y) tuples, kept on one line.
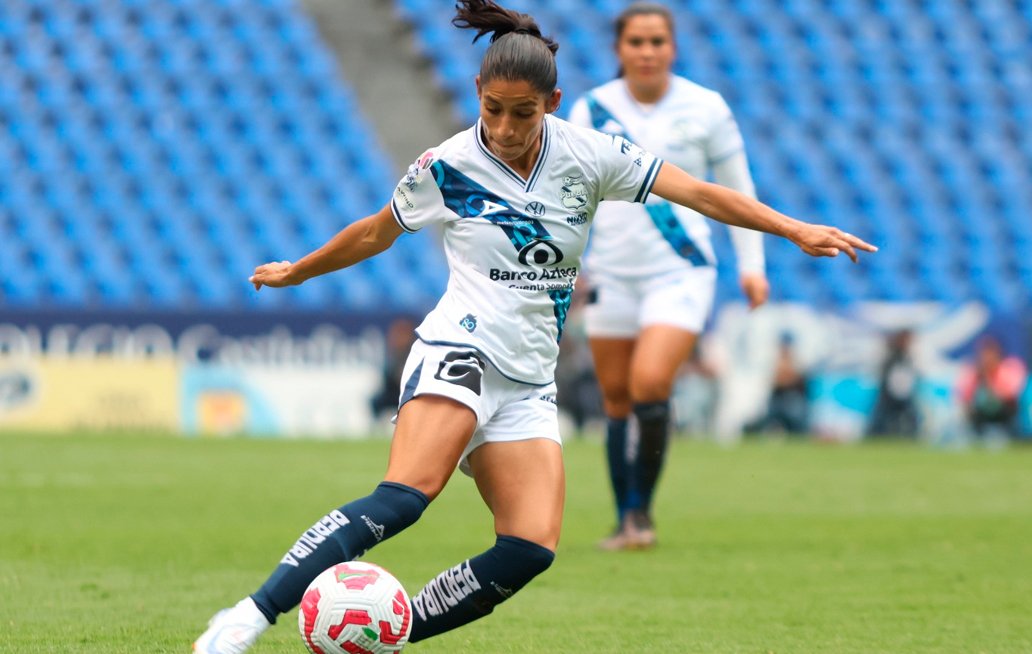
[(233, 631)]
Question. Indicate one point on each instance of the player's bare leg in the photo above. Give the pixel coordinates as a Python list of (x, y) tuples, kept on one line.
[(658, 355), (430, 436), (612, 357)]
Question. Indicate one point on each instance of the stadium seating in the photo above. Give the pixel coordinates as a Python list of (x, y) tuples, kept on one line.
[(155, 151), (908, 122)]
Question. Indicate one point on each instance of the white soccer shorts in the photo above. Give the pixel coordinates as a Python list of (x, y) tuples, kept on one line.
[(506, 410), (622, 307)]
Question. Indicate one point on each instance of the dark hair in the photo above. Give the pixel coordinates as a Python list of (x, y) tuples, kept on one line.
[(518, 51), (641, 9)]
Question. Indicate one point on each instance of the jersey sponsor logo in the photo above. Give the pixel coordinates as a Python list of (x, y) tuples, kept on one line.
[(541, 253), (462, 368), (577, 219), (535, 209), (573, 193), (490, 207), (400, 194), (469, 323)]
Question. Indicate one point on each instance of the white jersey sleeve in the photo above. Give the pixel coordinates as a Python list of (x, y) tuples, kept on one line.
[(417, 199), (733, 172), (724, 138), (626, 171)]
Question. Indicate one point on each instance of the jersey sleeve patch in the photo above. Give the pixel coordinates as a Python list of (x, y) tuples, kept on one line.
[(417, 200)]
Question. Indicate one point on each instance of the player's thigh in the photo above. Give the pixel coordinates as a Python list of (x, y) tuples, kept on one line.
[(429, 438), (524, 485), (660, 352)]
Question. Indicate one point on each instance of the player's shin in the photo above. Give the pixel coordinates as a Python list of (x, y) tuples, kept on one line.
[(620, 470), (341, 535), (654, 435), (473, 588)]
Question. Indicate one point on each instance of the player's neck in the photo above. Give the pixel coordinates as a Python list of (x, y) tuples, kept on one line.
[(647, 93), (524, 164)]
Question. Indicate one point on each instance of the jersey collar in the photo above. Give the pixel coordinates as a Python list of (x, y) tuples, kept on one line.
[(528, 184)]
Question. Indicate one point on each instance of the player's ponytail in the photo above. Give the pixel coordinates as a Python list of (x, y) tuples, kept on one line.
[(518, 50)]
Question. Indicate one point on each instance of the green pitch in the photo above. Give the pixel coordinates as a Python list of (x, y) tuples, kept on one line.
[(129, 544)]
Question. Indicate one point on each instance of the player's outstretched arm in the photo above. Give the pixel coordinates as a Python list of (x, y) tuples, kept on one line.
[(733, 208), (356, 242)]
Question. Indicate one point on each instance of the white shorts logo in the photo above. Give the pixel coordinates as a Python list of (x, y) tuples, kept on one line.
[(462, 368)]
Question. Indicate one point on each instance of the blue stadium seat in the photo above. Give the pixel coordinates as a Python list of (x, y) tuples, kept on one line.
[(169, 138)]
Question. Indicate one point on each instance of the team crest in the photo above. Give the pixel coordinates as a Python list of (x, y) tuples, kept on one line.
[(685, 133), (573, 193)]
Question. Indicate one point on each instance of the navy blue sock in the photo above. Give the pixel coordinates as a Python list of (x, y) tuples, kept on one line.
[(620, 470), (473, 588), (341, 535), (654, 435)]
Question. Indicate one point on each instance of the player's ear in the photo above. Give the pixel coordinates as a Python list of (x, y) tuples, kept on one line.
[(552, 104), (477, 81)]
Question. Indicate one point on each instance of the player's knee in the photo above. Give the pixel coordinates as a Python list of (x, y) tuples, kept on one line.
[(617, 405), (651, 388), (424, 481), (525, 559)]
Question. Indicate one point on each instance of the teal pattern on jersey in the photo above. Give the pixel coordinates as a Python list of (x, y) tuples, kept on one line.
[(601, 117), (469, 199), (561, 300), (663, 216)]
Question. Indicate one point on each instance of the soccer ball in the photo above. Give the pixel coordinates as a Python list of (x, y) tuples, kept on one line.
[(355, 608)]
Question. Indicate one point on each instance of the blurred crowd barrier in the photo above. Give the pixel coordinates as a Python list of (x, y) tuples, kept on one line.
[(787, 367), (203, 373)]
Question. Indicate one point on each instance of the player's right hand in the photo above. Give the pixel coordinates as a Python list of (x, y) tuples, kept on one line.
[(275, 274), (824, 241)]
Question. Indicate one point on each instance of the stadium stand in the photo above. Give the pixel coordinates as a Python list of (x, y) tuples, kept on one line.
[(154, 151), (906, 122)]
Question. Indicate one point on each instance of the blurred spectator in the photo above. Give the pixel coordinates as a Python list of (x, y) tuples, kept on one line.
[(895, 411), (696, 393), (579, 397), (401, 333), (989, 389), (788, 409)]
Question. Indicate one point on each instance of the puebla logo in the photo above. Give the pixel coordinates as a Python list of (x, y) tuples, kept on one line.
[(573, 193)]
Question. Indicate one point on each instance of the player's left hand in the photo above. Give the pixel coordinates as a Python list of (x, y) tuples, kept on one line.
[(824, 241), (275, 274), (756, 288)]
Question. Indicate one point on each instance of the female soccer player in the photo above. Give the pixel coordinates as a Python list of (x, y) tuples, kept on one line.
[(514, 194), (651, 266)]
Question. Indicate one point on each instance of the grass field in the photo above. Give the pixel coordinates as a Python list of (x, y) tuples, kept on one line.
[(129, 544)]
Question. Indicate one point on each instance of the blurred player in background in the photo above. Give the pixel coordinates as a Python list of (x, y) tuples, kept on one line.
[(651, 267), (514, 195), (990, 388)]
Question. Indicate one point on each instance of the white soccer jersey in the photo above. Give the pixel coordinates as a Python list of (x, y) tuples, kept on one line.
[(514, 246), (692, 128)]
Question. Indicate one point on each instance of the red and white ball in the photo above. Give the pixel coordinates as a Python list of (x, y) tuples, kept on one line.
[(355, 608)]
